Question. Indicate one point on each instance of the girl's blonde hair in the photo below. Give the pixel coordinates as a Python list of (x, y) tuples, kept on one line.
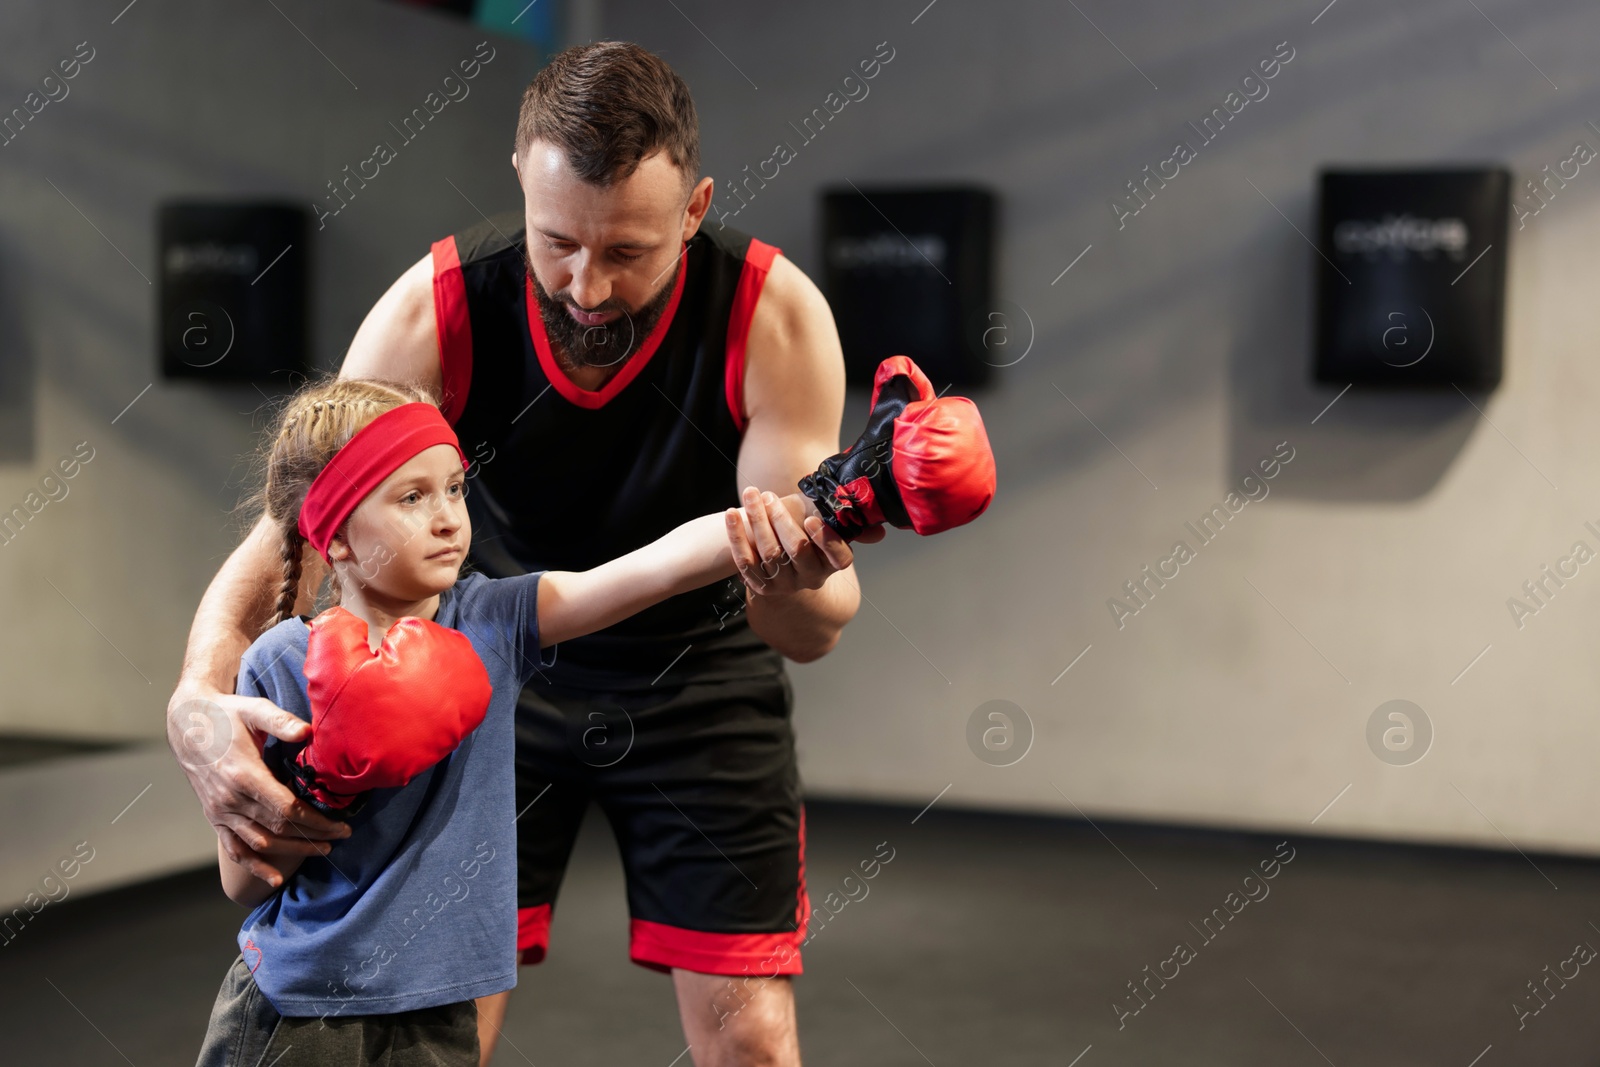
[(314, 424)]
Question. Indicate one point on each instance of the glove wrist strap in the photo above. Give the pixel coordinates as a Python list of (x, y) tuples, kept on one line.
[(835, 504), (303, 783)]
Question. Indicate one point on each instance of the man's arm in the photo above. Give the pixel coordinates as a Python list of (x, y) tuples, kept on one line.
[(398, 340), (216, 734), (799, 599)]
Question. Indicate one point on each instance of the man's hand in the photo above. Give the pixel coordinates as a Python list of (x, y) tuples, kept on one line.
[(217, 737), (782, 547)]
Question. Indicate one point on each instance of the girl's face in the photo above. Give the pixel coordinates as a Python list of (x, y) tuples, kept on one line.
[(408, 538)]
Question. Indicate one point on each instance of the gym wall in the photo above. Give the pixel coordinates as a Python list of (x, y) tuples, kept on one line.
[(1170, 360), (1164, 365)]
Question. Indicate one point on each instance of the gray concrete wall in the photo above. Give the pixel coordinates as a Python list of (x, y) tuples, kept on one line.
[(1380, 565)]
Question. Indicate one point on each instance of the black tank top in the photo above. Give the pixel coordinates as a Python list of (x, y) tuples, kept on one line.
[(565, 478)]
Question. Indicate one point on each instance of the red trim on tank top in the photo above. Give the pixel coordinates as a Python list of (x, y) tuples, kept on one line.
[(757, 262), (453, 326), (597, 398)]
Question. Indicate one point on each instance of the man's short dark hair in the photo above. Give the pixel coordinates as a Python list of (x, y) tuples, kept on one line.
[(608, 105)]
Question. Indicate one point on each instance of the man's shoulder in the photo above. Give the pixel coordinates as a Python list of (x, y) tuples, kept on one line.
[(791, 306), (794, 360), (784, 290)]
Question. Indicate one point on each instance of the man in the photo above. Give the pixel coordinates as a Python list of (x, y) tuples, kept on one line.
[(612, 370)]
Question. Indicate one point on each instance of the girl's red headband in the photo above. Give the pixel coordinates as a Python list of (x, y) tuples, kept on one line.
[(377, 450)]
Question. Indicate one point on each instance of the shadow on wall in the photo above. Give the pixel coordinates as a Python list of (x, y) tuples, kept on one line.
[(1372, 444), (16, 370)]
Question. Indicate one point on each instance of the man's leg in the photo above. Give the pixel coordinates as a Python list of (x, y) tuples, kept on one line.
[(737, 1022), (710, 824)]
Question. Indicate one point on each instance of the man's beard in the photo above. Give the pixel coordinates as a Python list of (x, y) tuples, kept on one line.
[(610, 344)]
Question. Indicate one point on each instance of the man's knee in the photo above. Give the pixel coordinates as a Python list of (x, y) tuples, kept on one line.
[(739, 1020), (752, 1039), (752, 1050)]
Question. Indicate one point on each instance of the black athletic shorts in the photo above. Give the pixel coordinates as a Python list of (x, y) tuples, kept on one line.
[(701, 788)]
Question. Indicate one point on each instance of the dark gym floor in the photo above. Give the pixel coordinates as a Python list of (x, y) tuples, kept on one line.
[(987, 939)]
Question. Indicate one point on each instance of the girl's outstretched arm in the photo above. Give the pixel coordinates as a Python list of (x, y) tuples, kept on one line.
[(701, 551)]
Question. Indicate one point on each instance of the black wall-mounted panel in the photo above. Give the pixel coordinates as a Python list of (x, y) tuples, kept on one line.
[(1411, 281), (232, 302), (909, 272)]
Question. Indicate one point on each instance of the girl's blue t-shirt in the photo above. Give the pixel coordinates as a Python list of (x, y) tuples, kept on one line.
[(418, 906)]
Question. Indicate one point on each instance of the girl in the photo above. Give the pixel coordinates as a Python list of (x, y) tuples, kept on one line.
[(375, 951)]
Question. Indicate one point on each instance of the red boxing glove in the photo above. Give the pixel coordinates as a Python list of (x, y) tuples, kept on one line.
[(923, 462), (380, 719)]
